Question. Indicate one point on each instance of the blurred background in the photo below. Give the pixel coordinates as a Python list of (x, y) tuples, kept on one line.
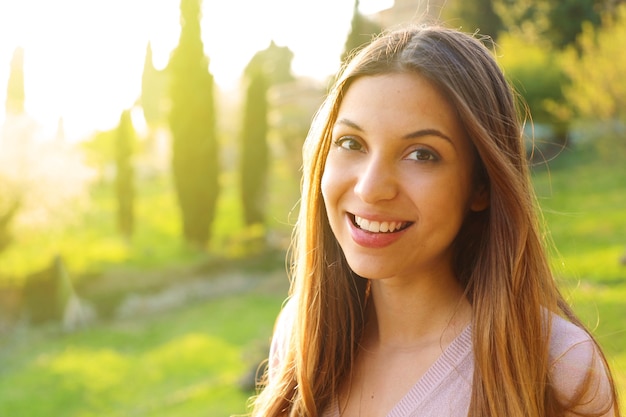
[(149, 181)]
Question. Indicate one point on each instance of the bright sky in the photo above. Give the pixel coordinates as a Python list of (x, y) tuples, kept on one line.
[(84, 59)]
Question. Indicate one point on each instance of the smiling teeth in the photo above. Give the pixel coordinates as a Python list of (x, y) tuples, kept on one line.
[(378, 227)]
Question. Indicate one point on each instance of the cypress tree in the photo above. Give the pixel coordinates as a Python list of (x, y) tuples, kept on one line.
[(269, 67), (195, 160), (361, 32), (124, 179), (254, 150), (153, 91)]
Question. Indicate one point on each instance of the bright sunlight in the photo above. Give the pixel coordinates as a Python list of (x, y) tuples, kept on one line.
[(83, 60)]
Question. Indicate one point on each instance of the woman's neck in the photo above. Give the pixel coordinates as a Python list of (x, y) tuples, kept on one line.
[(408, 314)]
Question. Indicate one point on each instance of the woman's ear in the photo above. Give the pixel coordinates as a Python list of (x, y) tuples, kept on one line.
[(480, 199)]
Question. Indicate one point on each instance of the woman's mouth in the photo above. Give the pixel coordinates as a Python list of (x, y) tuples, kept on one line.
[(374, 226)]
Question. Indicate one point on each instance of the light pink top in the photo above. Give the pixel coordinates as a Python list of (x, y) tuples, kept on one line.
[(445, 389)]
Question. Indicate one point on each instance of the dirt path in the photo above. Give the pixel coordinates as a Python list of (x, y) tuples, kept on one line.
[(201, 288)]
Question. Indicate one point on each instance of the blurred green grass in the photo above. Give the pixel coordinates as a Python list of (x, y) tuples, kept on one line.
[(584, 204), (184, 364), (583, 200)]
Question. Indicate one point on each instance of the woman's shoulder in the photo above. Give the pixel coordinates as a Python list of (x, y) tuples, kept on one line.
[(281, 336), (285, 319), (578, 371), (567, 339)]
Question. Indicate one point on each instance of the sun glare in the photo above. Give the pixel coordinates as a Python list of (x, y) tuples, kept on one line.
[(83, 60)]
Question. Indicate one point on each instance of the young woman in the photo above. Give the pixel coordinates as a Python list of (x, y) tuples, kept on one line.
[(420, 282)]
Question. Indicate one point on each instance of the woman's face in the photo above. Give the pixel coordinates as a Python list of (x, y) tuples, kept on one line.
[(397, 182)]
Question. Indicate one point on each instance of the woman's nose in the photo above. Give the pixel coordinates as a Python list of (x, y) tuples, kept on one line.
[(376, 182)]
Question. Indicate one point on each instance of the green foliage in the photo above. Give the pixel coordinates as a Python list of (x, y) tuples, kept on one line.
[(274, 62), (15, 85), (534, 72), (555, 22), (597, 92), (478, 15), (598, 88), (267, 68), (125, 176), (195, 156), (254, 150), (527, 18), (567, 18)]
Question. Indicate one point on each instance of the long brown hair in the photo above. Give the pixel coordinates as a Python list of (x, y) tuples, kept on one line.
[(499, 253)]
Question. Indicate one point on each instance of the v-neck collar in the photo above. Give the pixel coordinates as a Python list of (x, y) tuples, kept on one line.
[(449, 359)]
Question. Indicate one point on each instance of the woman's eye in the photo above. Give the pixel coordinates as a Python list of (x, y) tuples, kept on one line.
[(423, 155), (349, 143)]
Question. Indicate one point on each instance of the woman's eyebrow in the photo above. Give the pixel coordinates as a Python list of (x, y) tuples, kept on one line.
[(413, 135), (428, 132), (349, 123)]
